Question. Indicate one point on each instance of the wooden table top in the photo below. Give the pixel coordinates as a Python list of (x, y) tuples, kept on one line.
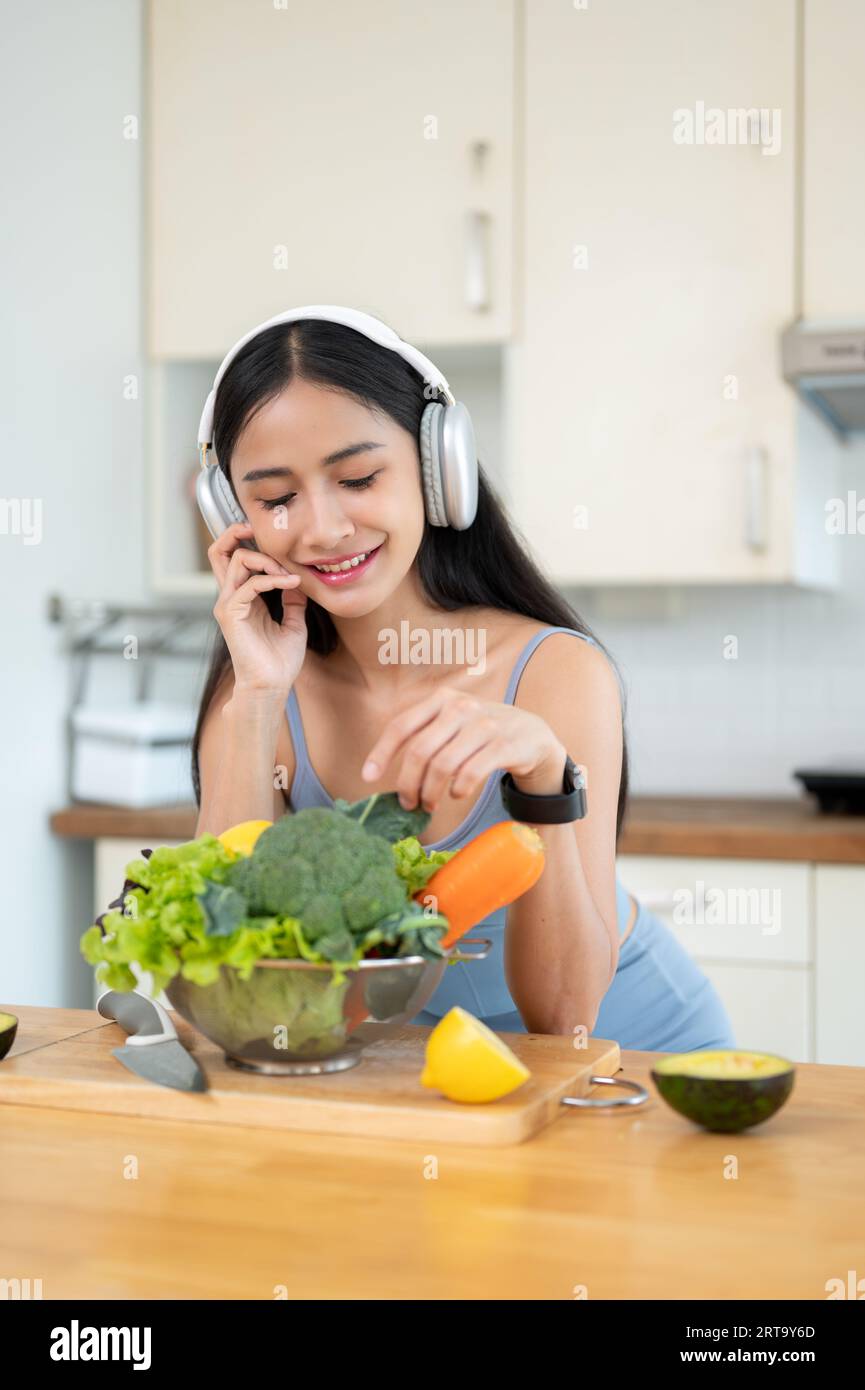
[(723, 827), (630, 1204)]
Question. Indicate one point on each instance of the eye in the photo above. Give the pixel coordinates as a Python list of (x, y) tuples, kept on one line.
[(272, 503), (360, 482)]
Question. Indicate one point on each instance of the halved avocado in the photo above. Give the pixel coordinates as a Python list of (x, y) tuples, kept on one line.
[(8, 1029), (724, 1089)]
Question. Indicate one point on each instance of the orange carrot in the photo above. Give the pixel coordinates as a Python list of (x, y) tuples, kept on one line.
[(490, 872)]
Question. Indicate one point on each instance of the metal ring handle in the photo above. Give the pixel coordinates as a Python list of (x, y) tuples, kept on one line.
[(639, 1099), (484, 941)]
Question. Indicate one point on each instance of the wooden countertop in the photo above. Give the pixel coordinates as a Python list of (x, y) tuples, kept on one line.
[(734, 827), (631, 1204)]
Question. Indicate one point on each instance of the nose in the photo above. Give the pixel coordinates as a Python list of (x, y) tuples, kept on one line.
[(324, 522)]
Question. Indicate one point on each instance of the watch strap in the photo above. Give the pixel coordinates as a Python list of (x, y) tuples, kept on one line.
[(568, 805)]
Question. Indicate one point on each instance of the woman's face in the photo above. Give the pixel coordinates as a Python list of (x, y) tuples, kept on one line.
[(320, 502)]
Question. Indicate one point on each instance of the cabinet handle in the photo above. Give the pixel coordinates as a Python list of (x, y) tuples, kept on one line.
[(756, 497), (477, 290)]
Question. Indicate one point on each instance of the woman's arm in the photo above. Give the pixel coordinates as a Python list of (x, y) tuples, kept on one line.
[(236, 759), (562, 939)]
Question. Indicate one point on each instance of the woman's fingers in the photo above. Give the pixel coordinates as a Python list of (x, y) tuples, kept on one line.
[(264, 650), (255, 585), (449, 764), (220, 552), (245, 573), (229, 545), (242, 562)]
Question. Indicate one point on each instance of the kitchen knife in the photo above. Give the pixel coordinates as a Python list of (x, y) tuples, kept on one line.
[(153, 1049)]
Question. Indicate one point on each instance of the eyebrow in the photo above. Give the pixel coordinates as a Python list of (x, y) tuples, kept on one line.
[(363, 445)]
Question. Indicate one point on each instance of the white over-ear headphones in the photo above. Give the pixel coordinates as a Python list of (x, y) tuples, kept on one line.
[(447, 442)]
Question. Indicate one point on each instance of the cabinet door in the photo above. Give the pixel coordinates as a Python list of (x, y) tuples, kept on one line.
[(834, 160), (653, 432), (727, 910), (771, 1010), (840, 965), (748, 924), (322, 152)]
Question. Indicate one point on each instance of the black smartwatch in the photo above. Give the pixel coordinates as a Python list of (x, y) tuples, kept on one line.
[(568, 805)]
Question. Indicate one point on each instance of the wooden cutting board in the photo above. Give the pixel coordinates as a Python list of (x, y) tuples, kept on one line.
[(39, 1025), (381, 1096)]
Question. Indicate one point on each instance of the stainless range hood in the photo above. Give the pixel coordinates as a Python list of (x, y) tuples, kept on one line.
[(826, 365)]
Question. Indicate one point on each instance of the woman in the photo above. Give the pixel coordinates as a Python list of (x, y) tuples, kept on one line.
[(316, 428)]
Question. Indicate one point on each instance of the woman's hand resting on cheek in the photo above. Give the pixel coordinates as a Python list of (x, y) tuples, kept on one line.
[(265, 655), (453, 741)]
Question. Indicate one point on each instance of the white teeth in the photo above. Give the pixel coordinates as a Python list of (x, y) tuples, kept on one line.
[(346, 564)]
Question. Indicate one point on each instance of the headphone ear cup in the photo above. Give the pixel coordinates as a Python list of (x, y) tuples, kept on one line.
[(225, 497), (216, 500), (449, 464), (430, 460)]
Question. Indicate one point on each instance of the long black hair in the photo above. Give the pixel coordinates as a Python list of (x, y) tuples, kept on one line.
[(486, 565)]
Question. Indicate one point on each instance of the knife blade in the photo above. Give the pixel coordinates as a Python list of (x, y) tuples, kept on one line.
[(153, 1050)]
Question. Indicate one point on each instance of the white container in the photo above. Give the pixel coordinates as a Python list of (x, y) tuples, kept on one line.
[(132, 754)]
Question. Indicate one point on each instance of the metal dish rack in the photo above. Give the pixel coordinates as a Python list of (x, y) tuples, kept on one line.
[(89, 629)]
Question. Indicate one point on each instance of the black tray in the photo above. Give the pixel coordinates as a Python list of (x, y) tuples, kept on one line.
[(838, 792)]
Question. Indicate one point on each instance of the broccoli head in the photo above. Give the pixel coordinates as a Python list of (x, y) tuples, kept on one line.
[(324, 868)]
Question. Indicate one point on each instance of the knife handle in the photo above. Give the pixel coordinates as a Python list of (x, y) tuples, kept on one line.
[(141, 1017)]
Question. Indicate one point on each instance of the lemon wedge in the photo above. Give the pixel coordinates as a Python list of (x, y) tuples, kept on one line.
[(466, 1061), (241, 838)]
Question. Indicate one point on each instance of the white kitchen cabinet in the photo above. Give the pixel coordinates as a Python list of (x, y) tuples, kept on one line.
[(762, 905), (655, 440), (840, 963), (319, 152), (833, 206), (760, 952), (771, 1010)]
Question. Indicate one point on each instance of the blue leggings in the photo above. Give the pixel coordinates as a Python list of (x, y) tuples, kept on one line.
[(659, 1000)]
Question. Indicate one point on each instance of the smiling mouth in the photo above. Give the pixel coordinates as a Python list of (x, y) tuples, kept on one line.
[(347, 569)]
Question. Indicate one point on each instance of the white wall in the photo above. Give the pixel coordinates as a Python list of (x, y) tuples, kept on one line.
[(70, 265)]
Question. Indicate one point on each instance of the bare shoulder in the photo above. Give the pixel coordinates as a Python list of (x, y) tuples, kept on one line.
[(563, 665), (507, 630), (559, 651)]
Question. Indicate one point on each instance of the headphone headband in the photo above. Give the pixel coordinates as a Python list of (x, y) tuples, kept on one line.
[(372, 327)]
